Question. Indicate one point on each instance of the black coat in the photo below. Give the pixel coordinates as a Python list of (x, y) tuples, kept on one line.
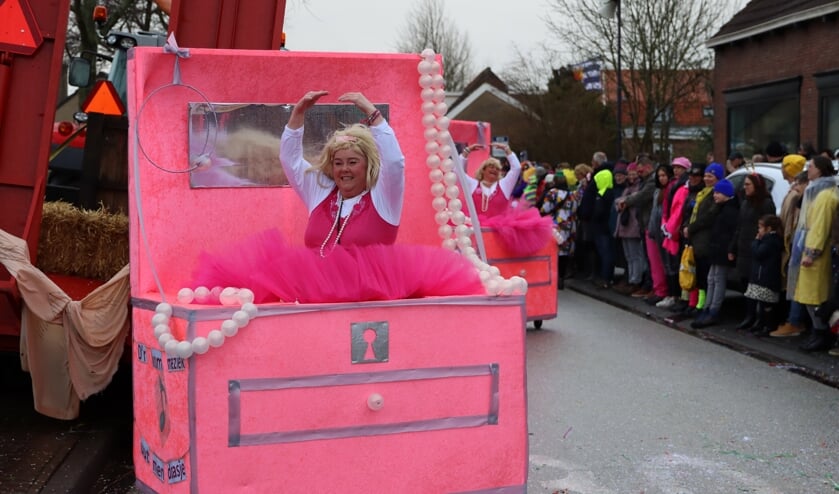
[(766, 261), (722, 232), (746, 231)]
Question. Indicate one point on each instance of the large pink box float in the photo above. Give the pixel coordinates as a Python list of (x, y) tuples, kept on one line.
[(424, 395)]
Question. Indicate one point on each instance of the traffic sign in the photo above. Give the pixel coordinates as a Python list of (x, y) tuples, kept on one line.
[(103, 99), (19, 32)]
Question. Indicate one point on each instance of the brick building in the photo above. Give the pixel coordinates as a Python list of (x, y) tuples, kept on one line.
[(776, 77)]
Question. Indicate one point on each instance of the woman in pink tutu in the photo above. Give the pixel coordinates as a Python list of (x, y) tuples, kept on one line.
[(520, 229), (354, 194)]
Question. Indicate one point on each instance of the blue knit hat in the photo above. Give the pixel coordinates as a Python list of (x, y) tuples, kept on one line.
[(725, 188), (717, 170)]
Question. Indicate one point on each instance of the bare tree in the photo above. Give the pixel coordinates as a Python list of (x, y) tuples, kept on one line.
[(428, 26), (663, 59)]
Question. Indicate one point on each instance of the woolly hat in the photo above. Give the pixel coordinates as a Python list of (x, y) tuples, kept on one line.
[(570, 178), (793, 164), (697, 170), (716, 169), (682, 161), (632, 167), (775, 150), (725, 188), (620, 168)]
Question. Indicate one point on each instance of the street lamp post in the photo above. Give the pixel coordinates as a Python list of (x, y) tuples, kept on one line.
[(612, 8)]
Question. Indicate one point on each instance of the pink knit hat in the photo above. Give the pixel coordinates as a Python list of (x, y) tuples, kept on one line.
[(682, 161)]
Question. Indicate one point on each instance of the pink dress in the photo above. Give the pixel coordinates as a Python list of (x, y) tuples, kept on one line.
[(363, 226)]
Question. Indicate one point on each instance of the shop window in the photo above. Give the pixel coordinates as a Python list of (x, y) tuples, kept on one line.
[(761, 114), (828, 85)]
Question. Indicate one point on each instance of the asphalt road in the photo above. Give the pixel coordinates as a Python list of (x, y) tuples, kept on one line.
[(621, 404)]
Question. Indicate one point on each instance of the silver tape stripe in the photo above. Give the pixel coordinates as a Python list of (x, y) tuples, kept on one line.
[(510, 489), (236, 438), (363, 430), (211, 313), (365, 377)]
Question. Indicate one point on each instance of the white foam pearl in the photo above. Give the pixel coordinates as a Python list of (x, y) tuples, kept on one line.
[(444, 135), (427, 94), (452, 191), (171, 347), (229, 296), (450, 244), (200, 345), (443, 123), (440, 109), (159, 318), (425, 67), (439, 204), (428, 108), (435, 67), (161, 329), (464, 242), (458, 217), (163, 308), (438, 190), (445, 231), (442, 217), (431, 147), (435, 175), (445, 150), (164, 338), (241, 318), (447, 165), (202, 295), (437, 80), (493, 270), (215, 338), (426, 80), (428, 53), (430, 134), (186, 295), (462, 230), (184, 349), (484, 276), (449, 177), (429, 120), (469, 252), (439, 94), (251, 309), (245, 296), (229, 328), (491, 286), (433, 161)]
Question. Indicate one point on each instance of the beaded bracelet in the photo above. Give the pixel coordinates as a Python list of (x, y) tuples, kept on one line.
[(371, 118)]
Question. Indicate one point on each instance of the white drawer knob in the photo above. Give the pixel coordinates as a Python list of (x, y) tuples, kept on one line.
[(375, 402)]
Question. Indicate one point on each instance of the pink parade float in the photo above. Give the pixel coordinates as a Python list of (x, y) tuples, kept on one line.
[(536, 263), (233, 394)]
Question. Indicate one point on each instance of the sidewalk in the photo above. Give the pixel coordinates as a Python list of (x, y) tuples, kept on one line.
[(777, 352)]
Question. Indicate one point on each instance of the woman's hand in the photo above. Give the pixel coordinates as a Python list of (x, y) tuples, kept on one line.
[(505, 147), (298, 114), (359, 100), (807, 261)]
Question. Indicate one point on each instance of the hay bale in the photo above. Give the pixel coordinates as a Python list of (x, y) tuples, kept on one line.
[(77, 242)]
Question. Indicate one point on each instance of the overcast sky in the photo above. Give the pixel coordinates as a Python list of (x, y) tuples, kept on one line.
[(373, 25)]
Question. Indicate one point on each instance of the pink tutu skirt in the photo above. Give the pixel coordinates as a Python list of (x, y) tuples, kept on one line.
[(521, 230), (278, 272)]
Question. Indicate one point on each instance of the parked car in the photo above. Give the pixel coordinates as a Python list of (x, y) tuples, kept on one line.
[(771, 172)]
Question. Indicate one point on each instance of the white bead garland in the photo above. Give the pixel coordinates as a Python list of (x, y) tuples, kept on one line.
[(447, 205), (229, 328)]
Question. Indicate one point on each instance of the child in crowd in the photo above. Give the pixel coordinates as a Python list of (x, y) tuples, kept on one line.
[(764, 288)]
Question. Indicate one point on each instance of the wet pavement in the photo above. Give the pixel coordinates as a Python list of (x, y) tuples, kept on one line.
[(777, 352), (92, 453)]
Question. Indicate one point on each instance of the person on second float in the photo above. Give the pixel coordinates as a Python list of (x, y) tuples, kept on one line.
[(519, 227)]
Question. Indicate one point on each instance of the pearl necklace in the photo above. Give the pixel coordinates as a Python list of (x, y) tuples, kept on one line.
[(335, 224), (183, 348), (485, 198)]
